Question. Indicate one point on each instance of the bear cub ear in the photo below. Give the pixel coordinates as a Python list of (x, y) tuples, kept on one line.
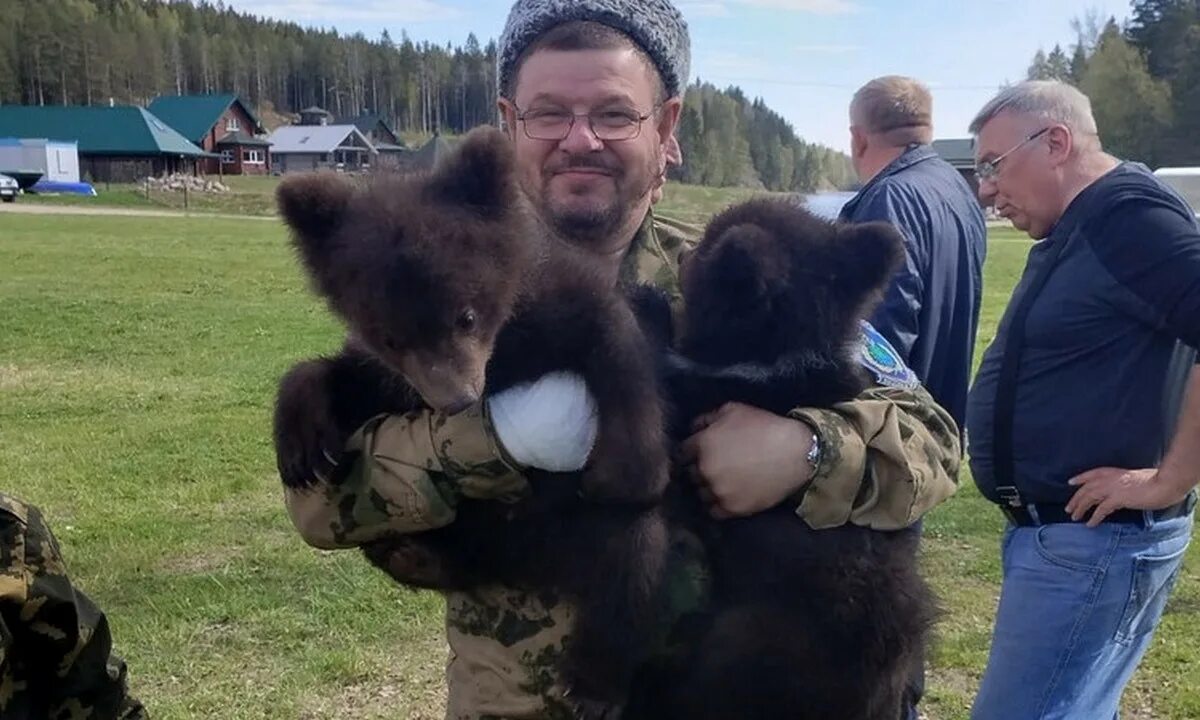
[(738, 270), (479, 174), (868, 255), (314, 205)]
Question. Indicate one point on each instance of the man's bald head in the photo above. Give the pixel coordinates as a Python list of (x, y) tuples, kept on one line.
[(895, 108)]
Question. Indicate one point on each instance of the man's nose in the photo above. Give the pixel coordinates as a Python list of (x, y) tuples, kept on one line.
[(987, 191), (581, 137)]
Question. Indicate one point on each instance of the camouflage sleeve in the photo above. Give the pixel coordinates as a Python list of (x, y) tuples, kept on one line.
[(404, 474), (888, 457), (55, 648)]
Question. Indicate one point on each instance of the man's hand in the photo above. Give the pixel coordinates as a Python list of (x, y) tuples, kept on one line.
[(745, 460), (1109, 489)]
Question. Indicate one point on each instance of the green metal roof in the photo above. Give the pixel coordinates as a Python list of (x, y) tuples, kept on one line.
[(122, 130), (194, 115)]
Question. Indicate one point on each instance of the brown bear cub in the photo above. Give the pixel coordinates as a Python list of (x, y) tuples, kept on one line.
[(803, 624), (450, 291)]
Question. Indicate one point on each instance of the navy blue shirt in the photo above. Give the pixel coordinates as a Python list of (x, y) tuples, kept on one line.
[(931, 310), (1106, 353)]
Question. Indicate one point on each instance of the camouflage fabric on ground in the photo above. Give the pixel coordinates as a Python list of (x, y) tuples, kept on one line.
[(56, 656)]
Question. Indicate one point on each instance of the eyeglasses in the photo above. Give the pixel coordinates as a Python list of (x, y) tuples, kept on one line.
[(989, 170), (606, 125)]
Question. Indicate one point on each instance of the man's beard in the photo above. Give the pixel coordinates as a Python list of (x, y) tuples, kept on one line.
[(595, 226), (587, 225)]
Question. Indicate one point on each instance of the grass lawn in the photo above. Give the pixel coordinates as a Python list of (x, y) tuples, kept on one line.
[(137, 367), (254, 195)]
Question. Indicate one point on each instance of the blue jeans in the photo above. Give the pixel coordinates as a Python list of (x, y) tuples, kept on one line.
[(1078, 606)]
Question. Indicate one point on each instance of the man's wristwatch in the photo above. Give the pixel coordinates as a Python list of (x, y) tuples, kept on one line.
[(814, 456)]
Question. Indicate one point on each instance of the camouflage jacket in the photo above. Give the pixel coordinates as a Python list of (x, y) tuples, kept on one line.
[(55, 647), (504, 641)]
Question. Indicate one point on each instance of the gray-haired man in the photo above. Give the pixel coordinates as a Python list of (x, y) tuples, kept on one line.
[(1076, 414)]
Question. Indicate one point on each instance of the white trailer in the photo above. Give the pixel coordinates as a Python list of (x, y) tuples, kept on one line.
[(1186, 181), (57, 160)]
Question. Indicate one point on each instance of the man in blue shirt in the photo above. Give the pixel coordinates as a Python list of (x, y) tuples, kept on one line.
[(1084, 419), (931, 311)]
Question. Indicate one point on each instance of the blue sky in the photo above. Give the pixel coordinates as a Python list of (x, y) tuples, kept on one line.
[(805, 58)]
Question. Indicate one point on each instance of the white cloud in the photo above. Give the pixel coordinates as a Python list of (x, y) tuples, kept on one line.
[(721, 8), (723, 63), (816, 7), (702, 8), (828, 49), (349, 11)]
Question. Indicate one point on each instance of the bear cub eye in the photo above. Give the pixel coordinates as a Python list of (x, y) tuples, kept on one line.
[(466, 321)]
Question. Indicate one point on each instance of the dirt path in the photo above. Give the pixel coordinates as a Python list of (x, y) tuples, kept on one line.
[(21, 208)]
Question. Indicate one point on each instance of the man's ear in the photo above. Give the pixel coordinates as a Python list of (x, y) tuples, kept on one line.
[(668, 123), (858, 142), (673, 153), (1061, 142), (508, 117)]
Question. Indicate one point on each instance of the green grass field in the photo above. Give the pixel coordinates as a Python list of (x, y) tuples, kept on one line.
[(137, 366), (249, 195)]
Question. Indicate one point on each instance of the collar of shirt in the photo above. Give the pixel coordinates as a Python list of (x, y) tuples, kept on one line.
[(912, 155), (653, 256)]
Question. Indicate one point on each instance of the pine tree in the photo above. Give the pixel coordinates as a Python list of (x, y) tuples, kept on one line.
[(129, 51), (1132, 109), (1037, 67)]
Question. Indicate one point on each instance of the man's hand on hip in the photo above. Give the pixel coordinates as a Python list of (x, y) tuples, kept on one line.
[(1109, 489)]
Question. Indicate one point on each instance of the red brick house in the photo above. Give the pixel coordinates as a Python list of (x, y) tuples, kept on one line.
[(220, 124)]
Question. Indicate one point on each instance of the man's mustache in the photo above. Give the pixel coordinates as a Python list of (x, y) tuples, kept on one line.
[(583, 162)]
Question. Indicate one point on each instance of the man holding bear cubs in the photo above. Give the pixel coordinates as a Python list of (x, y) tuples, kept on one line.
[(590, 94)]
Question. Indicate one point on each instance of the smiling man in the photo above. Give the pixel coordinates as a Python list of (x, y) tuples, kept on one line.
[(1084, 419), (590, 94), (592, 188)]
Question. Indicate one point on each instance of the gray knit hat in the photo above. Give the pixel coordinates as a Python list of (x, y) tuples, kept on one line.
[(654, 24)]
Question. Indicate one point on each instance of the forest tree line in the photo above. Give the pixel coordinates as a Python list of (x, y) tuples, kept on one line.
[(1142, 76), (97, 52)]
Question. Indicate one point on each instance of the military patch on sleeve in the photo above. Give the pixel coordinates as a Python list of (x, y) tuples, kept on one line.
[(878, 356)]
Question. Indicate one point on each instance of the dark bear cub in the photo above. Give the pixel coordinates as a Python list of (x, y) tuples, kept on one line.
[(804, 624), (450, 292)]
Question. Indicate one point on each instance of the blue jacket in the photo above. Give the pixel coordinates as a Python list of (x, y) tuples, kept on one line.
[(931, 311)]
